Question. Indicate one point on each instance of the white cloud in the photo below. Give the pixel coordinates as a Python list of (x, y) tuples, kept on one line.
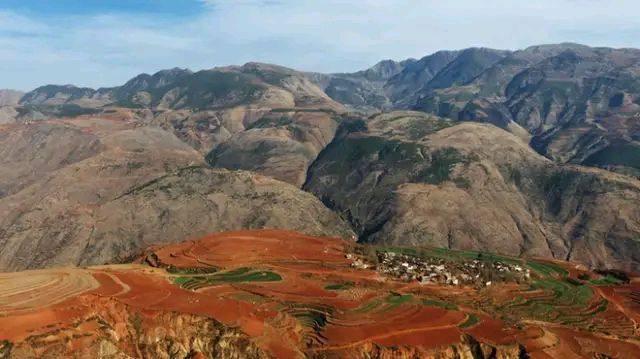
[(17, 24), (330, 35)]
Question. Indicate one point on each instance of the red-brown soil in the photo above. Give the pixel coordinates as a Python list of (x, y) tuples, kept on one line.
[(297, 315)]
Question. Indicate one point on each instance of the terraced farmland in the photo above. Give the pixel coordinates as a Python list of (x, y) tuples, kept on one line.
[(293, 296), (31, 289), (239, 275)]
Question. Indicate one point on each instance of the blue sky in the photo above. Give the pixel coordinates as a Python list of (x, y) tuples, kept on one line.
[(104, 43), (93, 7)]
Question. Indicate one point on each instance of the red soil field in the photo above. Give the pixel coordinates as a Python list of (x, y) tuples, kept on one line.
[(319, 306)]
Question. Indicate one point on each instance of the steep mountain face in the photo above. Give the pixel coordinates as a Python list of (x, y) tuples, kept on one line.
[(581, 107), (465, 67), (280, 144), (390, 84), (93, 190), (410, 178), (362, 89), (402, 87), (574, 103)]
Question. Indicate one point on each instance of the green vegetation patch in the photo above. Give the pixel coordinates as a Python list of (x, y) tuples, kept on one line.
[(439, 304), (555, 186), (311, 318), (547, 269), (191, 270), (64, 110), (5, 348), (369, 306), (450, 254), (472, 320), (400, 250), (482, 256), (584, 276), (417, 127), (400, 153), (513, 174), (203, 90), (272, 121), (249, 297), (357, 150), (348, 152), (602, 307), (462, 182), (606, 280), (442, 163), (563, 301), (239, 275), (397, 299), (564, 292), (181, 280), (314, 316), (340, 286)]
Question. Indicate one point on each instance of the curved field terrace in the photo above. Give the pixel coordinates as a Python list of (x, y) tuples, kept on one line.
[(299, 296)]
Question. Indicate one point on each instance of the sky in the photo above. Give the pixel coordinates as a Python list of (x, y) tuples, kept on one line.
[(104, 43)]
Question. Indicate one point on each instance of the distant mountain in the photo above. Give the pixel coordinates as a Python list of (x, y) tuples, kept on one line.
[(209, 107), (403, 85), (363, 89), (517, 180), (574, 103), (399, 82), (252, 84)]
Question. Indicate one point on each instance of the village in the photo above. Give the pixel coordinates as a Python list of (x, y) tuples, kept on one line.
[(434, 270)]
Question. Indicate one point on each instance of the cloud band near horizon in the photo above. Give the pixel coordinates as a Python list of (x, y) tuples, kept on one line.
[(88, 43)]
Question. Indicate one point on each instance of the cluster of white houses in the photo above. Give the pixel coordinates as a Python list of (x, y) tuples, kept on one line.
[(432, 270)]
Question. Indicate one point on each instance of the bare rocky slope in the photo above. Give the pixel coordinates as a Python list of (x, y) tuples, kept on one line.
[(411, 178), (89, 191), (259, 117)]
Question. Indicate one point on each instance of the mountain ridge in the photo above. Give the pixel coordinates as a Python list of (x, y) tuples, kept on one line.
[(517, 129)]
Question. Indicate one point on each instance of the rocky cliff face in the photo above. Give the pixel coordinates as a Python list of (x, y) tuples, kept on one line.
[(468, 348), (116, 331)]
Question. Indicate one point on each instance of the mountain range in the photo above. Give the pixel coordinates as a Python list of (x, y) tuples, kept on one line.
[(532, 152)]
